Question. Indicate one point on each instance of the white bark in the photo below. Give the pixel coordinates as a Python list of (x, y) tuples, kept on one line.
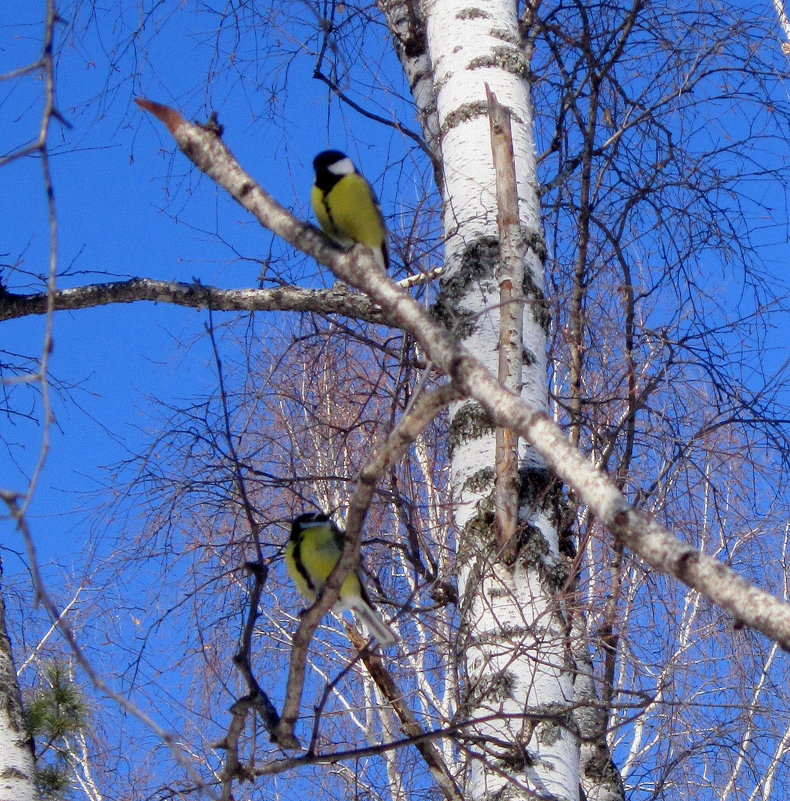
[(600, 777), (406, 26), (512, 637), (784, 22), (17, 769)]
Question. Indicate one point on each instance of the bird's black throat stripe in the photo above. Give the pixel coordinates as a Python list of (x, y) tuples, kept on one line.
[(329, 214), (300, 565)]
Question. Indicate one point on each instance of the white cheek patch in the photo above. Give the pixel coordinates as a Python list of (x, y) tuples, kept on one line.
[(343, 167)]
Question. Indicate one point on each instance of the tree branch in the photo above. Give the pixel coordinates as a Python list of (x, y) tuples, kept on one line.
[(409, 724), (338, 300), (510, 277)]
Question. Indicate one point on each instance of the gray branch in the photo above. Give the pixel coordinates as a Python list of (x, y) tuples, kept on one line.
[(338, 300)]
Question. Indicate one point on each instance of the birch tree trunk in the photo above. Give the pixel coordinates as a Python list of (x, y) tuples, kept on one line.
[(512, 648), (17, 773)]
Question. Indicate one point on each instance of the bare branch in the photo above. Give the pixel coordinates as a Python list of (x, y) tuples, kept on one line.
[(411, 728), (338, 300), (749, 605), (512, 255)]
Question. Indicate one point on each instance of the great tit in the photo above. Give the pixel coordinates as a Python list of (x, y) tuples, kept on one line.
[(313, 549), (346, 206)]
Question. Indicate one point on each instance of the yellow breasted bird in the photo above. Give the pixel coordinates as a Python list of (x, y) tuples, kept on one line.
[(346, 206), (313, 549)]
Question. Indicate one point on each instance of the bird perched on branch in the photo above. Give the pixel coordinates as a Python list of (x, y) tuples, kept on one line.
[(346, 206), (313, 549)]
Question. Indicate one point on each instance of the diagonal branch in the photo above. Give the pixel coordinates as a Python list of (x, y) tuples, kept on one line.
[(411, 728)]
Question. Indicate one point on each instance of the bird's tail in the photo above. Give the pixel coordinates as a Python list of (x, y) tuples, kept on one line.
[(375, 625), (381, 256)]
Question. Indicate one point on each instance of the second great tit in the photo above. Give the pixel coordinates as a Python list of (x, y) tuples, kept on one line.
[(313, 549), (346, 206)]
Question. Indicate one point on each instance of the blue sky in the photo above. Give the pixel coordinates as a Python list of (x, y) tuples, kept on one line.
[(128, 204)]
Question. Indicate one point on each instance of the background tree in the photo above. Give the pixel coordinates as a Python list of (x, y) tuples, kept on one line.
[(656, 131), (18, 765), (56, 717)]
